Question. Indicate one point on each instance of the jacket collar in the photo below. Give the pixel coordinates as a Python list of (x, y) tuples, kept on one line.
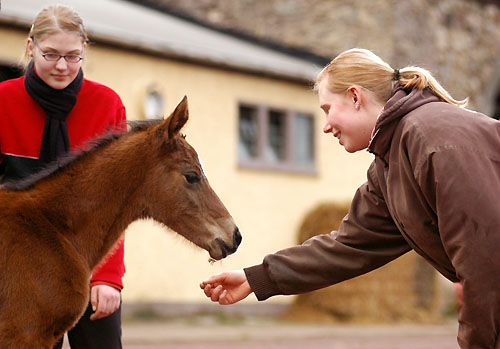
[(398, 106)]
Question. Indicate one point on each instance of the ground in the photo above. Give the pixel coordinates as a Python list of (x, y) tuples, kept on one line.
[(157, 335), (206, 332)]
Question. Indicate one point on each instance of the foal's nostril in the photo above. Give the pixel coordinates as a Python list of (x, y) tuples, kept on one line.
[(236, 237)]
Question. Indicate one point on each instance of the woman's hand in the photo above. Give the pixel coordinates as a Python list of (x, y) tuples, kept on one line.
[(105, 301), (227, 288)]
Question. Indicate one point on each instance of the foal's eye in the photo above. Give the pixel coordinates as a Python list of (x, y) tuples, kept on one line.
[(192, 178)]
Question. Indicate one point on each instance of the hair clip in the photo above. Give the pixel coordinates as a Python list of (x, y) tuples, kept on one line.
[(396, 75)]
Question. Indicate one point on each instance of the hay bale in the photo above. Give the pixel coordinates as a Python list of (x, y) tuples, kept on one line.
[(404, 290)]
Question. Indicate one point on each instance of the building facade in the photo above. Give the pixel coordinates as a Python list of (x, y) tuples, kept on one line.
[(254, 121), (457, 40)]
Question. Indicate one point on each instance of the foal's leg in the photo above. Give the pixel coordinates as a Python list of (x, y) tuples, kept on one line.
[(36, 314), (44, 286), (21, 331), (13, 337)]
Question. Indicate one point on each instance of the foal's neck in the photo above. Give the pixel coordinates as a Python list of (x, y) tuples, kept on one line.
[(96, 198)]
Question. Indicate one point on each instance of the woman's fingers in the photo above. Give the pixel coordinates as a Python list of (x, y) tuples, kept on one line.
[(216, 293)]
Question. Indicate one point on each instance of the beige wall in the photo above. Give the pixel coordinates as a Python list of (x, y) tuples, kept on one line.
[(267, 206)]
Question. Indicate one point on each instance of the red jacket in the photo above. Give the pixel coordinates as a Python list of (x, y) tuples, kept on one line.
[(98, 109)]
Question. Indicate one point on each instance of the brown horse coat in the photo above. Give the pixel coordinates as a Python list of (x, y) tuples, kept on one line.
[(53, 232)]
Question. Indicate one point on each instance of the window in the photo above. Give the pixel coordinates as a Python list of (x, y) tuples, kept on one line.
[(275, 150), (248, 133), (275, 139), (303, 135), (9, 72)]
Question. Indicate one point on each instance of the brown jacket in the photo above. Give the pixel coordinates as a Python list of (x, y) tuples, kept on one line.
[(434, 187)]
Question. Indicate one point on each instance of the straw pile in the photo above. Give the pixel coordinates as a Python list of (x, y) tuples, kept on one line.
[(404, 290)]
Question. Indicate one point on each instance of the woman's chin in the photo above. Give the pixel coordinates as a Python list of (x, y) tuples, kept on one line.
[(58, 83)]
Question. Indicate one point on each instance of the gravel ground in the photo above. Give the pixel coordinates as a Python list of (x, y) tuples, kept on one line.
[(280, 335)]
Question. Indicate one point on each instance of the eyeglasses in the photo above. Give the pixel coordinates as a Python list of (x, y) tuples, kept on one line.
[(54, 57)]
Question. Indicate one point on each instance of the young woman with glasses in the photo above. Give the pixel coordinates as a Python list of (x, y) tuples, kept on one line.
[(46, 113)]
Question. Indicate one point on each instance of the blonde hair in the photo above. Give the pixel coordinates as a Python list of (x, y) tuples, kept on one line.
[(55, 19), (364, 68)]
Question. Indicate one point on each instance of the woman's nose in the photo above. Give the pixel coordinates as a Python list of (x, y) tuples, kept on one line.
[(327, 128), (61, 64)]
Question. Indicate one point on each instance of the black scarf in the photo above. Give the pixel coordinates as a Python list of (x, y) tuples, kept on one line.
[(57, 104)]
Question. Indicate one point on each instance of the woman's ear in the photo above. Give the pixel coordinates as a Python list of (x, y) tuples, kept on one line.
[(354, 93), (30, 47)]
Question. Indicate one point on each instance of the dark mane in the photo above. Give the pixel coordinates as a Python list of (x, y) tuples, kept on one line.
[(66, 160)]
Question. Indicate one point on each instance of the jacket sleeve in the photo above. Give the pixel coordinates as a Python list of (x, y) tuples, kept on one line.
[(464, 185), (121, 119), (110, 272), (367, 239)]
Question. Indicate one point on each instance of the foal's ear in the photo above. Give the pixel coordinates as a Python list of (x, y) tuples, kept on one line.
[(177, 119)]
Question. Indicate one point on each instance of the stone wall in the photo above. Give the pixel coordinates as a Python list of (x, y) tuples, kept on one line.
[(458, 40)]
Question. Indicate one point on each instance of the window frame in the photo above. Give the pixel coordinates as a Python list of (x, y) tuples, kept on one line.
[(260, 162)]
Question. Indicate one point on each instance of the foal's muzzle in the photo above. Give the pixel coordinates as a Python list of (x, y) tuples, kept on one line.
[(227, 250)]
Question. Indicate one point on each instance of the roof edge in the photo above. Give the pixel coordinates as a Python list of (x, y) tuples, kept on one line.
[(96, 39), (296, 52)]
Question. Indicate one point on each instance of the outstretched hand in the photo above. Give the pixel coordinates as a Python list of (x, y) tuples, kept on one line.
[(227, 288)]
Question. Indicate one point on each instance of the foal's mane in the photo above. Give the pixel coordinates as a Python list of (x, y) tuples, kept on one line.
[(64, 161)]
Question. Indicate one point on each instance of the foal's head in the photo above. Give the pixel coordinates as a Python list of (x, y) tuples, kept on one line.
[(180, 196)]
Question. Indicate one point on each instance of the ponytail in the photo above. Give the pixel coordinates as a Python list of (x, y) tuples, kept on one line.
[(363, 68), (418, 78)]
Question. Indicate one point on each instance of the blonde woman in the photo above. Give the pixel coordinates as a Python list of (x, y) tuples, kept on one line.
[(433, 187), (45, 114)]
